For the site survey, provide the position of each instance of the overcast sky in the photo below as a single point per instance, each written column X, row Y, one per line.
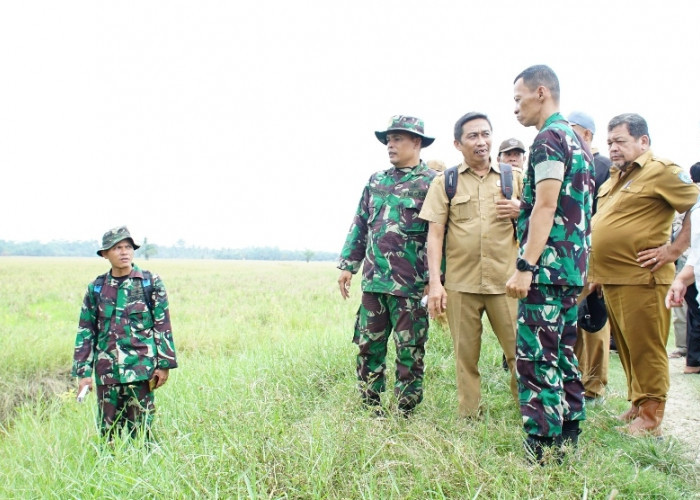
column 250, row 123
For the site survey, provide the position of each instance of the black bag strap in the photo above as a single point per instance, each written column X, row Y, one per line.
column 506, row 180
column 146, row 284
column 451, row 176
column 99, row 283
column 451, row 182
column 507, row 188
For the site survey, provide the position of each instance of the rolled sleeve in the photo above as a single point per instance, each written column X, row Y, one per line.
column 549, row 169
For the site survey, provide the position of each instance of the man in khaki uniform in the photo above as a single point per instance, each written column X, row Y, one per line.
column 480, row 251
column 632, row 260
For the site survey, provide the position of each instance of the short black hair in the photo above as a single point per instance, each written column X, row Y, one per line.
column 636, row 125
column 540, row 74
column 472, row 115
column 695, row 172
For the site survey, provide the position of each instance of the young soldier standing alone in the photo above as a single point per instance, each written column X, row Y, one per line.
column 124, row 339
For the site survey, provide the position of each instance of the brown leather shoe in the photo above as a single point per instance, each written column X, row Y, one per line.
column 647, row 423
column 630, row 414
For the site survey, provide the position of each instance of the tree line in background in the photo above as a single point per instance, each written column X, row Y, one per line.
column 60, row 248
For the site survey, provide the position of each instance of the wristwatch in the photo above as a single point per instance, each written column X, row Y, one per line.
column 523, row 265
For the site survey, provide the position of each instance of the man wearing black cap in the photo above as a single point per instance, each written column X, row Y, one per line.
column 387, row 234
column 512, row 151
column 124, row 339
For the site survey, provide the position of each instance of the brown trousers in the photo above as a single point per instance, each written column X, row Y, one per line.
column 593, row 351
column 640, row 324
column 464, row 312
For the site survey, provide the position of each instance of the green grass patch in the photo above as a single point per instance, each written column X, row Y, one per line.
column 264, row 404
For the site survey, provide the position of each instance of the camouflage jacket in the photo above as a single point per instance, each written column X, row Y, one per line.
column 564, row 259
column 118, row 337
column 388, row 235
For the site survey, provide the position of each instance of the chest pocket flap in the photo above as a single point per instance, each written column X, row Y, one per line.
column 462, row 208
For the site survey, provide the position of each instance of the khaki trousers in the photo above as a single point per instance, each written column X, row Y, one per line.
column 640, row 323
column 464, row 312
column 593, row 351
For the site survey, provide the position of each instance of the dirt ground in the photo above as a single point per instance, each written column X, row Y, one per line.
column 682, row 417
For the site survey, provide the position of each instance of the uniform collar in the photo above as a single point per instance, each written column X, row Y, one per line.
column 641, row 160
column 493, row 165
column 553, row 118
column 417, row 169
column 135, row 272
column 645, row 158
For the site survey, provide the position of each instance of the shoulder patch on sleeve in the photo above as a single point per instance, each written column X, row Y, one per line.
column 683, row 176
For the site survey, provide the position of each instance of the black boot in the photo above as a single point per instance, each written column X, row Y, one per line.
column 373, row 403
column 406, row 408
column 569, row 433
column 536, row 446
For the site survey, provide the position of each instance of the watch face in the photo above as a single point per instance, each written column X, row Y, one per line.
column 522, row 265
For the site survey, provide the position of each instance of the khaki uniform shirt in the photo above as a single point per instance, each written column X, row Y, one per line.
column 480, row 249
column 634, row 214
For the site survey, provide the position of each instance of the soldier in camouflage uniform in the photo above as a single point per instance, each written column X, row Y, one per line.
column 554, row 235
column 124, row 339
column 388, row 236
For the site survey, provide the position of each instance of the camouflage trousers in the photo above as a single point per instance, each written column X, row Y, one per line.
column 377, row 316
column 129, row 406
column 549, row 383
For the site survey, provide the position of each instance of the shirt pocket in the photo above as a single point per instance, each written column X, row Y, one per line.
column 627, row 199
column 462, row 208
column 603, row 195
column 410, row 222
column 140, row 317
column 375, row 209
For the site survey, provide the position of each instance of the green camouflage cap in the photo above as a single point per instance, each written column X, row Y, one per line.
column 406, row 124
column 114, row 236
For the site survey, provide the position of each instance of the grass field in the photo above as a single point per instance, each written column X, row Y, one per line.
column 264, row 404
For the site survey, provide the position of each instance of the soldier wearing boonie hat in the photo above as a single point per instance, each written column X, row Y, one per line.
column 124, row 339
column 114, row 236
column 402, row 123
column 387, row 234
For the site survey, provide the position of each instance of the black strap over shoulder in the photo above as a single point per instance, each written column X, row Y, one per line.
column 99, row 283
column 146, row 283
column 506, row 180
column 507, row 188
column 451, row 182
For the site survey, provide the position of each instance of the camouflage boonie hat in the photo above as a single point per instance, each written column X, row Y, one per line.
column 406, row 124
column 114, row 236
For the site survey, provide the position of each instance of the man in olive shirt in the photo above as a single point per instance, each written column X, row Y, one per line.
column 632, row 260
column 480, row 251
